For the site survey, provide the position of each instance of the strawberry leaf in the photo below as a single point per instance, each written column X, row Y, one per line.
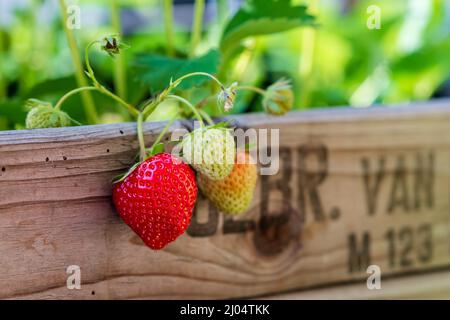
column 159, row 71
column 260, row 17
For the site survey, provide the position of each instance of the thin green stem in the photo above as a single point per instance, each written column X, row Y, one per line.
column 129, row 107
column 101, row 88
column 199, row 8
column 88, row 63
column 206, row 116
column 75, row 121
column 71, row 93
column 168, row 25
column 251, row 88
column 164, row 131
column 119, row 62
column 193, row 74
column 148, row 109
column 191, row 107
column 88, row 101
column 140, row 132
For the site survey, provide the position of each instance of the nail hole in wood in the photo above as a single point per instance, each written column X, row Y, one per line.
column 64, row 158
column 3, row 169
column 93, row 292
column 107, row 150
column 47, row 159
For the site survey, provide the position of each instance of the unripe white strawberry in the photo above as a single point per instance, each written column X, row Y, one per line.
column 211, row 151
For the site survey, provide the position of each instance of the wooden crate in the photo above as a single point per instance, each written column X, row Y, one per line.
column 355, row 188
column 429, row 285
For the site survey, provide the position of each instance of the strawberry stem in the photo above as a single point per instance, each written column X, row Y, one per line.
column 206, row 116
column 191, row 107
column 251, row 88
column 88, row 63
column 71, row 93
column 194, row 74
column 101, row 88
column 128, row 106
column 149, row 108
column 140, row 132
column 164, row 131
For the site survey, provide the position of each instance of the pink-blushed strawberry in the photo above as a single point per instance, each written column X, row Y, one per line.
column 157, row 199
column 234, row 194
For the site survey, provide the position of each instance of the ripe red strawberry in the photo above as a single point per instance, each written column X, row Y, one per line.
column 157, row 199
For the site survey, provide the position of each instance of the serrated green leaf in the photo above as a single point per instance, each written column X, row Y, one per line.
column 260, row 17
column 158, row 71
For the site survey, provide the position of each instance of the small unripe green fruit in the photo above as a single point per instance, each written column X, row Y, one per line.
column 45, row 116
column 278, row 98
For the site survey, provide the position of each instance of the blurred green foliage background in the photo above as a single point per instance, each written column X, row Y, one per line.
column 338, row 62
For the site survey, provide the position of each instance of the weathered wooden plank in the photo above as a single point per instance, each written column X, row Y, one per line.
column 305, row 228
column 434, row 285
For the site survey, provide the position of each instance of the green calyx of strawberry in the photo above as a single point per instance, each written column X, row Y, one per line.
column 112, row 45
column 146, row 153
column 210, row 150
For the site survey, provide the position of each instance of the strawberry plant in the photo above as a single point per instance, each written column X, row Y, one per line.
column 201, row 75
column 157, row 196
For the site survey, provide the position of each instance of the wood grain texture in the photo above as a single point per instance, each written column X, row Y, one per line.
column 305, row 227
column 430, row 286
